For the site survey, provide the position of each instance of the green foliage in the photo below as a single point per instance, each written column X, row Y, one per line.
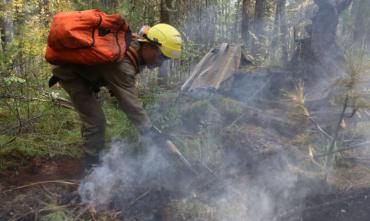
column 191, row 210
column 13, row 79
column 118, row 124
column 32, row 126
column 56, row 216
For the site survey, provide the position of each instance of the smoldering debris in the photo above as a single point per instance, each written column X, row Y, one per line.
column 147, row 186
column 119, row 174
column 250, row 159
column 251, row 182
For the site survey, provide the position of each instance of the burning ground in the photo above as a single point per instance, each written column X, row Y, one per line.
column 257, row 159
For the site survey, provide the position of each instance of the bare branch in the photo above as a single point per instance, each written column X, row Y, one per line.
column 44, row 182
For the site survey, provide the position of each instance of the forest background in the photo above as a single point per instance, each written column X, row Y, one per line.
column 38, row 122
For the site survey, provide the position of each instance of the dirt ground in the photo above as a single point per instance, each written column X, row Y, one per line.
column 39, row 189
column 351, row 205
column 43, row 169
column 46, row 190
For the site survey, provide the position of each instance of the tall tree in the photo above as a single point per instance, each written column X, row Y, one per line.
column 259, row 26
column 280, row 30
column 246, row 20
column 319, row 57
column 164, row 70
column 324, row 27
column 6, row 24
column 165, row 11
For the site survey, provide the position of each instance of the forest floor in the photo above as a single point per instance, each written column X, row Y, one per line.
column 47, row 190
column 259, row 169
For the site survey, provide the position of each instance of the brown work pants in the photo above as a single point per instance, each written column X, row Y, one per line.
column 79, row 83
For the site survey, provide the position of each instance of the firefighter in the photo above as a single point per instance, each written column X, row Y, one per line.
column 150, row 48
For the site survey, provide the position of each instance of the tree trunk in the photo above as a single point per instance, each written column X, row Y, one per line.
column 324, row 28
column 259, row 27
column 246, row 20
column 164, row 70
column 280, row 31
column 165, row 13
column 7, row 28
column 283, row 31
column 319, row 58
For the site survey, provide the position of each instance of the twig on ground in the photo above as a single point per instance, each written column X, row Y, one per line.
column 56, row 208
column 42, row 182
column 241, row 116
column 299, row 209
column 49, row 192
column 92, row 214
column 141, row 196
column 361, row 145
column 82, row 212
column 59, row 101
column 8, row 142
column 334, row 139
column 320, row 128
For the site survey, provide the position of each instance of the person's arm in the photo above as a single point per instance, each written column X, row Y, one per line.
column 121, row 81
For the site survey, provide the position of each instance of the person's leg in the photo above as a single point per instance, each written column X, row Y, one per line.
column 88, row 108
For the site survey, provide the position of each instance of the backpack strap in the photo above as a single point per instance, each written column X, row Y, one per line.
column 134, row 57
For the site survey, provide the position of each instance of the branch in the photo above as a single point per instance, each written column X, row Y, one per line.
column 320, row 128
column 82, row 212
column 342, row 115
column 8, row 142
column 141, row 196
column 59, row 101
column 19, row 125
column 356, row 146
column 43, row 182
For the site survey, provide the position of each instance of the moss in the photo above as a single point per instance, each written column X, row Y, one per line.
column 56, row 216
column 118, row 125
column 204, row 147
column 191, row 210
column 46, row 131
column 197, row 107
column 198, row 114
column 36, row 145
column 228, row 106
column 251, row 140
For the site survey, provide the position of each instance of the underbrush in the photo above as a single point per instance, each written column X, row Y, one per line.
column 50, row 130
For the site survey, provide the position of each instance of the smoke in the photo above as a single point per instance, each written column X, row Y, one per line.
column 262, row 197
column 121, row 172
column 123, row 177
column 261, row 191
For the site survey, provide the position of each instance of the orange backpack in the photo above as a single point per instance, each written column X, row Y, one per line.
column 87, row 37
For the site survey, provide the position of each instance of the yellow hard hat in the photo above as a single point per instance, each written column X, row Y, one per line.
column 166, row 37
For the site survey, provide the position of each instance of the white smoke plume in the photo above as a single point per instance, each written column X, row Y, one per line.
column 262, row 195
column 122, row 177
column 120, row 172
